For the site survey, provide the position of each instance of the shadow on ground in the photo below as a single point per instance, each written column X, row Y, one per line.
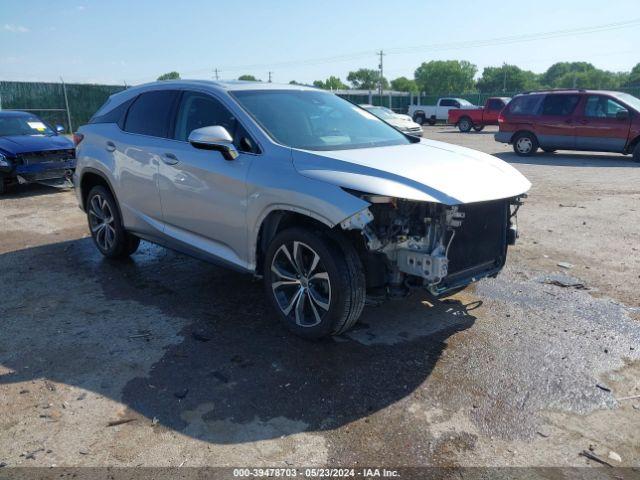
column 571, row 159
column 31, row 190
column 232, row 374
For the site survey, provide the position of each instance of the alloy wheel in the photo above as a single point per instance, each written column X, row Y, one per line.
column 524, row 145
column 300, row 284
column 102, row 222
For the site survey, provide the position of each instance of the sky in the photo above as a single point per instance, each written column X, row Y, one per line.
column 134, row 41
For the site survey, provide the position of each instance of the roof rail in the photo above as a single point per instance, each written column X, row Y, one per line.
column 556, row 90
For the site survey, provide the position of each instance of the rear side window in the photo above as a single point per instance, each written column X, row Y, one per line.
column 525, row 105
column 115, row 115
column 150, row 113
column 559, row 105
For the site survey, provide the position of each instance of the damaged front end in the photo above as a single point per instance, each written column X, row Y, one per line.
column 439, row 247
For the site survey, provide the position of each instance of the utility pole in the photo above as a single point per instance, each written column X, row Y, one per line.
column 270, row 76
column 215, row 74
column 66, row 104
column 504, row 83
column 381, row 67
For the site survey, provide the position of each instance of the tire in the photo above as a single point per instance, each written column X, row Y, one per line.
column 525, row 144
column 432, row 121
column 419, row 119
column 109, row 236
column 3, row 186
column 465, row 125
column 320, row 301
column 549, row 150
column 636, row 153
column 478, row 128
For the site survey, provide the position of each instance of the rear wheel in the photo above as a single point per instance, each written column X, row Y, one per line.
column 525, row 144
column 636, row 153
column 432, row 121
column 314, row 282
column 3, row 186
column 419, row 118
column 108, row 234
column 465, row 124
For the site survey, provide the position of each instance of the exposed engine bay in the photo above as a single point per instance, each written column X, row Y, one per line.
column 440, row 247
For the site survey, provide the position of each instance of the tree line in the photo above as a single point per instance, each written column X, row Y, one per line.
column 459, row 76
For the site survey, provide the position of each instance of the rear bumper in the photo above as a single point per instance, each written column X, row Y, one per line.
column 503, row 137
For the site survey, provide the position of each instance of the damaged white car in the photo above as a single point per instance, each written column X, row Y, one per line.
column 319, row 197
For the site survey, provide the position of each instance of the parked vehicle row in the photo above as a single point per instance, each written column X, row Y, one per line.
column 439, row 112
column 587, row 120
column 397, row 120
column 323, row 200
column 478, row 117
column 31, row 150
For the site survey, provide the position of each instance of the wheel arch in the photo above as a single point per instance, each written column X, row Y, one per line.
column 91, row 178
column 632, row 144
column 523, row 130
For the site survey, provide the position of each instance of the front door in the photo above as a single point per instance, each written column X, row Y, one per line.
column 555, row 127
column 603, row 125
column 203, row 195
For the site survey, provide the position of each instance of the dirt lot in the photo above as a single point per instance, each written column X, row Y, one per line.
column 514, row 371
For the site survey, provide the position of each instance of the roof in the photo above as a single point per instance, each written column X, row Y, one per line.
column 228, row 85
column 15, row 113
column 572, row 90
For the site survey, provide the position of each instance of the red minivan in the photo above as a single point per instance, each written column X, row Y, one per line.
column 587, row 120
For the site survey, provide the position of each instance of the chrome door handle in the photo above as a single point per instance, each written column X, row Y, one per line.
column 111, row 147
column 170, row 159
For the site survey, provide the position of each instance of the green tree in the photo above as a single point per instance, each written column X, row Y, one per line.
column 593, row 78
column 169, row 76
column 403, row 84
column 445, row 76
column 551, row 77
column 366, row 79
column 507, row 78
column 248, row 78
column 331, row 83
column 634, row 76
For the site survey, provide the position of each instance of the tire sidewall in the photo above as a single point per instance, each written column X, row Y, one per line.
column 121, row 235
column 465, row 125
column 419, row 119
column 534, row 144
column 330, row 255
column 636, row 153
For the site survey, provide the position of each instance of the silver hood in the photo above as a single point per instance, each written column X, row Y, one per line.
column 427, row 171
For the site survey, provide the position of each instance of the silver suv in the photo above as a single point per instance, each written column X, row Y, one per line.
column 316, row 195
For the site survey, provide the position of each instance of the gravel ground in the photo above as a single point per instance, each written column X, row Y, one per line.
column 187, row 361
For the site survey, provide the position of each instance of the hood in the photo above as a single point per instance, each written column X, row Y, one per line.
column 427, row 171
column 17, row 144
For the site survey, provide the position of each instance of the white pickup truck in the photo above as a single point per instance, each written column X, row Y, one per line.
column 431, row 114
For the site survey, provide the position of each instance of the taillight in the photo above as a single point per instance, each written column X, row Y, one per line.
column 501, row 118
column 77, row 138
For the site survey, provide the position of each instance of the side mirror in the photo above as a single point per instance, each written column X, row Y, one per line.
column 622, row 115
column 59, row 129
column 214, row 138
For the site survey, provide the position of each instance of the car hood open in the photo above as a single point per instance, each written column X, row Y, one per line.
column 427, row 171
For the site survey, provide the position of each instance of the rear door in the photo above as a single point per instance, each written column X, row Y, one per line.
column 137, row 150
column 598, row 126
column 555, row 126
column 204, row 196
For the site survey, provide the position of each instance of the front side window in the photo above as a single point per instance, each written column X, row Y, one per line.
column 23, row 125
column 559, row 105
column 598, row 106
column 199, row 110
column 150, row 113
column 314, row 120
column 447, row 102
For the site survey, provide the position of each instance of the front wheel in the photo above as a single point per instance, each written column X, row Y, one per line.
column 525, row 144
column 478, row 128
column 107, row 231
column 419, row 119
column 465, row 125
column 636, row 153
column 315, row 282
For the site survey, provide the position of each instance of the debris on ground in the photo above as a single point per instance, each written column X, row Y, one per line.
column 3, row 464
column 614, row 456
column 632, row 397
column 114, row 423
column 566, row 265
column 32, row 455
column 560, row 283
column 603, row 388
column 181, row 393
column 200, row 337
column 594, row 457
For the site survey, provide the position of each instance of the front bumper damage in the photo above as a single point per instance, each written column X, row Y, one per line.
column 438, row 247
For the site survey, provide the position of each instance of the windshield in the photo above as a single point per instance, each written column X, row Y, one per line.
column 633, row 102
column 313, row 120
column 23, row 125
